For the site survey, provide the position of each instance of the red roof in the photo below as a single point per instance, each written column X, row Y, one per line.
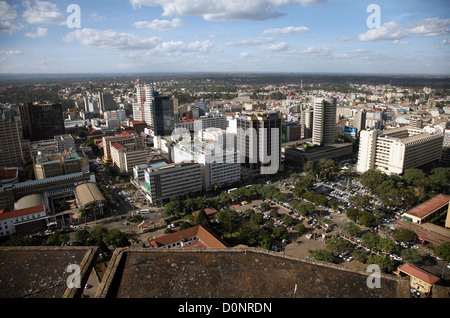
column 8, row 173
column 420, row 274
column 430, row 205
column 116, row 145
column 206, row 238
column 126, row 133
column 21, row 212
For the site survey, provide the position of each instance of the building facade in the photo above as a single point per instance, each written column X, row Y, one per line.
column 41, row 121
column 393, row 151
column 162, row 182
column 324, row 121
column 259, row 140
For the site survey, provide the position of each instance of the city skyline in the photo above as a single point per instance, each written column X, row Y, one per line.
column 412, row 37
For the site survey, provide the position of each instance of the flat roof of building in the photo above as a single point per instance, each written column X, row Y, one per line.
column 40, row 271
column 429, row 206
column 235, row 273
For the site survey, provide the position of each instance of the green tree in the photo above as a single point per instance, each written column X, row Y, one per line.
column 386, row 264
column 412, row 256
column 81, row 236
column 300, row 228
column 337, row 245
column 202, row 218
column 257, row 218
column 352, row 229
column 370, row 240
column 305, row 209
column 98, row 233
column 367, row 219
column 353, row 214
column 265, row 206
column 387, row 245
column 287, row 219
column 281, row 233
column 443, row 251
column 404, row 235
column 322, row 255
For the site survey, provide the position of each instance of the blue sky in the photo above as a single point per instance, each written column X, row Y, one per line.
column 140, row 36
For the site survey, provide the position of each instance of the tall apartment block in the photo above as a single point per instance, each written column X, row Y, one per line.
column 41, row 121
column 255, row 139
column 324, row 121
column 306, row 126
column 143, row 108
column 10, row 146
column 395, row 150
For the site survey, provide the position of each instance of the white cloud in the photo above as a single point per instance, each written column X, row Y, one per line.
column 287, row 30
column 201, row 47
column 223, row 10
column 7, row 15
column 317, row 51
column 108, row 39
column 43, row 12
column 251, row 41
column 40, row 32
column 398, row 42
column 445, row 42
column 11, row 52
column 244, row 54
column 394, row 31
column 160, row 25
column 388, row 31
column 431, row 27
column 97, row 18
column 170, row 46
column 277, row 47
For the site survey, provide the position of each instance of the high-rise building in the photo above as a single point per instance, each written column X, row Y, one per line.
column 395, row 150
column 41, row 121
column 143, row 108
column 259, row 140
column 163, row 115
column 359, row 120
column 10, row 144
column 324, row 121
column 306, row 123
column 106, row 102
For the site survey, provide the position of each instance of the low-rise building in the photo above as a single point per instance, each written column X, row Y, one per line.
column 12, row 219
column 193, row 237
column 52, row 165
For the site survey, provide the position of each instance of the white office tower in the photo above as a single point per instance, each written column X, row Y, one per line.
column 215, row 151
column 324, row 121
column 395, row 150
column 143, row 108
column 162, row 182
